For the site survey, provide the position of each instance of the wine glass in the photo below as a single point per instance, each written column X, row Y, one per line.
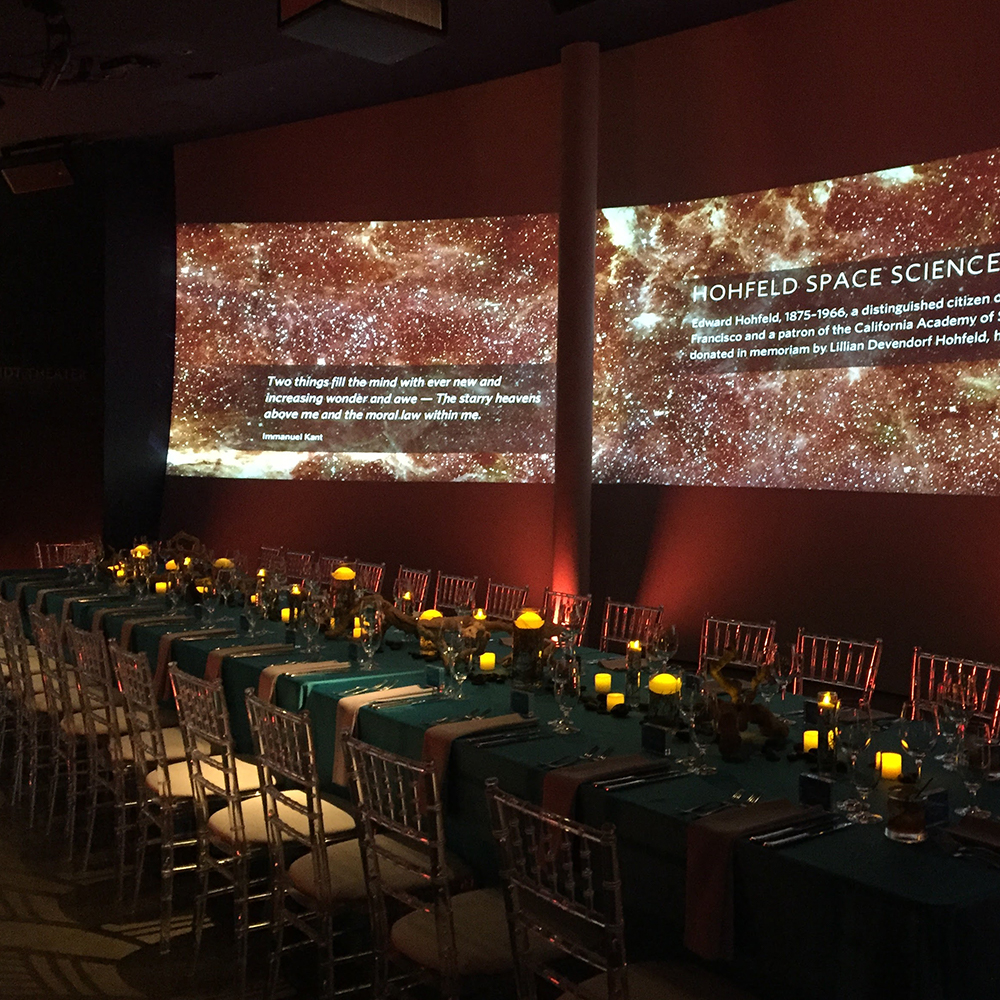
column 974, row 765
column 692, row 703
column 566, row 687
column 918, row 735
column 856, row 730
column 950, row 698
column 371, row 621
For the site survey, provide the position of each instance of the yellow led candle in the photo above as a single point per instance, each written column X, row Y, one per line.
column 828, row 699
column 602, row 683
column 344, row 573
column 810, row 740
column 286, row 615
column 357, row 631
column 430, row 614
column 665, row 684
column 261, row 573
column 529, row 620
column 296, row 590
column 614, row 698
column 890, row 764
column 480, row 615
column 161, row 586
column 171, row 566
column 408, row 596
column 487, row 661
column 142, row 551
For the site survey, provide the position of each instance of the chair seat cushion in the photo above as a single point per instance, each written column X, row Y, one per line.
column 77, row 726
column 41, row 704
column 347, row 875
column 179, row 776
column 482, row 940
column 335, row 819
column 665, row 981
column 173, row 741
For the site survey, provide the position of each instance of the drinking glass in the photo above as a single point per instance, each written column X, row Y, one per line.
column 917, row 735
column 865, row 777
column 855, row 739
column 783, row 670
column 566, row 687
column 371, row 635
column 974, row 766
column 692, row 703
column 456, row 666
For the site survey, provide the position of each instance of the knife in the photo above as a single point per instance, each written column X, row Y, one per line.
column 809, row 834
column 798, row 826
column 631, row 780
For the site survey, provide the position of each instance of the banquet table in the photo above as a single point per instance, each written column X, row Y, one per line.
column 848, row 915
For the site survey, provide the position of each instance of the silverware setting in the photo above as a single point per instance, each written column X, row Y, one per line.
column 477, row 713
column 416, row 699
column 634, row 780
column 594, row 753
column 796, row 826
column 811, row 834
column 519, row 736
column 365, row 688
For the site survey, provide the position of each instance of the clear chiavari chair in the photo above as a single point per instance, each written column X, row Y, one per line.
column 504, row 600
column 299, row 566
column 847, row 665
column 369, row 576
column 563, row 897
column 455, row 593
column 53, row 554
column 625, row 623
column 413, row 582
column 568, row 611
column 400, row 821
column 753, row 642
column 272, row 558
column 325, row 566
column 931, row 673
column 28, row 709
column 164, row 792
column 104, row 721
column 229, row 837
column 308, row 893
column 67, row 730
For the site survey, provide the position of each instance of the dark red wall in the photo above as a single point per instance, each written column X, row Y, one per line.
column 803, row 91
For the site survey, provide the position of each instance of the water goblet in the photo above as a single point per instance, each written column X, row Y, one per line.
column 855, row 739
column 917, row 735
column 692, row 704
column 974, row 765
column 865, row 777
column 566, row 687
column 371, row 621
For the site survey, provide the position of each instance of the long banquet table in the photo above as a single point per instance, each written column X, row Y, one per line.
column 849, row 915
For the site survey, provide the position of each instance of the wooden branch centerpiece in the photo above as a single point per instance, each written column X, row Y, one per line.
column 734, row 717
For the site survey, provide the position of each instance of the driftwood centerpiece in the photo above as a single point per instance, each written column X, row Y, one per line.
column 735, row 716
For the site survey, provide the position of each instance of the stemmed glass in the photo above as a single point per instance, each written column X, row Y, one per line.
column 210, row 601
column 661, row 649
column 566, row 687
column 856, row 738
column 455, row 662
column 783, row 670
column 371, row 635
column 918, row 735
column 974, row 766
column 692, row 702
column 955, row 699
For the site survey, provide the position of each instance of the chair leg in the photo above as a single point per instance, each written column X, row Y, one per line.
column 241, row 911
column 200, row 904
column 72, row 793
column 166, row 878
column 33, row 776
column 277, row 939
column 95, row 791
column 140, row 855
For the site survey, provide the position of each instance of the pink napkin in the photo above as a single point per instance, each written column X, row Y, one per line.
column 161, row 681
column 708, row 905
column 438, row 739
column 270, row 674
column 213, row 666
column 561, row 783
column 347, row 718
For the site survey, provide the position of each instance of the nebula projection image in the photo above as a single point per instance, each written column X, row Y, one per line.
column 420, row 351
column 835, row 335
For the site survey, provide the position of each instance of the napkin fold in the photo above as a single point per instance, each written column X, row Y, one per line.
column 561, row 783
column 708, row 905
column 347, row 718
column 161, row 680
column 213, row 666
column 977, row 831
column 269, row 675
column 438, row 739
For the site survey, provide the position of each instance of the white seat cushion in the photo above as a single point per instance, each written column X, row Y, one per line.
column 482, row 939
column 347, row 875
column 665, row 981
column 77, row 725
column 335, row 819
column 180, row 778
column 173, row 741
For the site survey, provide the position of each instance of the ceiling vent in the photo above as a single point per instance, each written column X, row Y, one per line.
column 381, row 31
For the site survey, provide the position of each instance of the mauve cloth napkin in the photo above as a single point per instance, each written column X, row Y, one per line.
column 438, row 739
column 561, row 783
column 130, row 623
column 213, row 666
column 708, row 909
column 270, row 674
column 347, row 717
column 160, row 679
column 978, row 831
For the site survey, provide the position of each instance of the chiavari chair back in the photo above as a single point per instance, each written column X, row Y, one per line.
column 849, row 665
column 930, row 674
column 456, row 594
column 165, row 794
column 625, row 623
column 369, row 576
column 413, row 582
column 325, row 565
column 401, row 826
column 504, row 600
column 272, row 558
column 568, row 611
column 304, row 897
column 299, row 566
column 753, row 642
column 54, row 554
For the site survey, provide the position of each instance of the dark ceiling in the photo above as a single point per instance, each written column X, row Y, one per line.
column 181, row 69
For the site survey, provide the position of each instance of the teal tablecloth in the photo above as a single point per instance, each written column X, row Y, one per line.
column 850, row 915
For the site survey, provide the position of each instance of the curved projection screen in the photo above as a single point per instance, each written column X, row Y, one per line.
column 836, row 335
column 375, row 350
